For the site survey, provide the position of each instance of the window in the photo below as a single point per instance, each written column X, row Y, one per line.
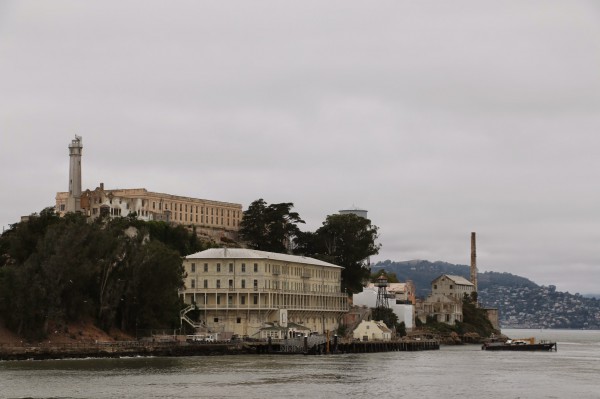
column 450, row 286
column 193, row 267
column 435, row 286
column 243, row 267
column 255, row 299
column 206, row 268
column 231, row 268
column 238, row 320
column 216, row 319
column 218, row 299
column 255, row 284
column 243, row 283
column 243, row 300
column 218, row 268
column 205, row 283
column 230, row 299
column 230, row 283
column 256, row 268
column 193, row 283
column 218, row 283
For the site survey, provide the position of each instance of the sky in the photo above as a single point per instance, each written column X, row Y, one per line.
column 439, row 118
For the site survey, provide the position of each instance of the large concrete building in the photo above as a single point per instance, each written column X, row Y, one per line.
column 213, row 219
column 445, row 301
column 242, row 291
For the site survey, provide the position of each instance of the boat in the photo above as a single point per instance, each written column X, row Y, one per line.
column 526, row 344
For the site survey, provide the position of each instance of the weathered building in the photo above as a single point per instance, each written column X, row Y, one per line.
column 241, row 291
column 445, row 301
column 214, row 219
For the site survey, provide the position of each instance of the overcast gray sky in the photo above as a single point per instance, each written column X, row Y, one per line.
column 440, row 118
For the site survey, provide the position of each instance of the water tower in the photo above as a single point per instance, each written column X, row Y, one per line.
column 382, row 294
column 354, row 211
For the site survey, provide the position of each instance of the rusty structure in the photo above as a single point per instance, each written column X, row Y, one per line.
column 473, row 261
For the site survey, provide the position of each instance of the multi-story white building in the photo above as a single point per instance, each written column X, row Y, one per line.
column 241, row 291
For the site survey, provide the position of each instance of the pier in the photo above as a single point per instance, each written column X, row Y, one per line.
column 174, row 349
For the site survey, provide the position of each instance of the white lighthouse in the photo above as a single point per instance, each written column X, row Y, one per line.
column 74, row 199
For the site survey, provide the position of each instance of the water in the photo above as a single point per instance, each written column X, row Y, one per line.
column 451, row 372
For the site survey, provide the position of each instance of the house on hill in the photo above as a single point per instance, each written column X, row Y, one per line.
column 445, row 301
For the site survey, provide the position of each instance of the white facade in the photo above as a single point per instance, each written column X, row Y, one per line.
column 368, row 298
column 241, row 291
column 372, row 330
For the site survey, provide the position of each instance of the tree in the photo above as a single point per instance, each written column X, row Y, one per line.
column 346, row 240
column 269, row 227
column 120, row 272
column 386, row 315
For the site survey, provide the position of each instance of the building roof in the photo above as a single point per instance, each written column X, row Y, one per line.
column 243, row 253
column 392, row 287
column 457, row 279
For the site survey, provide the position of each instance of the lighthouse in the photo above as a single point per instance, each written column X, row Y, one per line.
column 74, row 199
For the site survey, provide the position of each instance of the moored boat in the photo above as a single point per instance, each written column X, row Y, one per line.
column 519, row 345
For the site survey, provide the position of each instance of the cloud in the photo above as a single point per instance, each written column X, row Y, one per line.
column 439, row 119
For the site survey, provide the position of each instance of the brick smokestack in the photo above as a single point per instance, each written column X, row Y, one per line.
column 473, row 261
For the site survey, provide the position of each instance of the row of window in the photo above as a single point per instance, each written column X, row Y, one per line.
column 276, row 269
column 218, row 284
column 269, row 284
column 198, row 210
column 218, row 268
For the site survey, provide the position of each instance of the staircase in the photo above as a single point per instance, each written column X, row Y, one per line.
column 184, row 317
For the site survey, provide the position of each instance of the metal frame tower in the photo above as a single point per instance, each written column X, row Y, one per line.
column 382, row 294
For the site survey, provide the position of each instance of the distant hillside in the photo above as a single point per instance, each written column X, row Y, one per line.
column 423, row 272
column 520, row 302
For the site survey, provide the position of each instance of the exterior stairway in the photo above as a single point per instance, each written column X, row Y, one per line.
column 199, row 327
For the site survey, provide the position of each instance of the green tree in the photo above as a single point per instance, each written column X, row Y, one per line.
column 386, row 315
column 121, row 272
column 269, row 227
column 345, row 240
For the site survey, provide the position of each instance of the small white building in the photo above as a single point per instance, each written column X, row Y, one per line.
column 372, row 331
column 368, row 298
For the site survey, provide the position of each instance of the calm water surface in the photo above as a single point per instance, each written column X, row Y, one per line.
column 451, row 372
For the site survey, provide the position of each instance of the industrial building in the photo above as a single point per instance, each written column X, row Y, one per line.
column 212, row 219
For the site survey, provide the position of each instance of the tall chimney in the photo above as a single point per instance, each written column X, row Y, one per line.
column 473, row 261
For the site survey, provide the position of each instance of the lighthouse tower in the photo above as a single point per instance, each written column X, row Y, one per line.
column 74, row 199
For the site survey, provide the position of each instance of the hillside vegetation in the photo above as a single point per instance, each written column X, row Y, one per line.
column 121, row 273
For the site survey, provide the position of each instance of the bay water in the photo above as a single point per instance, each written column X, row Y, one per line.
column 452, row 372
